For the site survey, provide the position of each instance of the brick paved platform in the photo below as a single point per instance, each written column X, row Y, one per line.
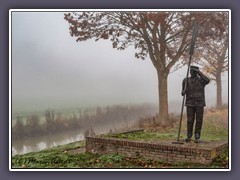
column 204, row 152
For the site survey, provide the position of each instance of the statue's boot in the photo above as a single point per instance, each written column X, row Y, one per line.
column 198, row 129
column 189, row 130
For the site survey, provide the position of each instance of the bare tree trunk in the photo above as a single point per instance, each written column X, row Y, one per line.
column 163, row 97
column 219, row 90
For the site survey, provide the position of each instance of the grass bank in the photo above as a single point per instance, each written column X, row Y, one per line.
column 62, row 157
column 215, row 127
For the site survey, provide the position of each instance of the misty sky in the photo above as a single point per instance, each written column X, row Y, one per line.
column 51, row 70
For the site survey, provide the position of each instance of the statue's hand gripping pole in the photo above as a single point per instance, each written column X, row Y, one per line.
column 194, row 35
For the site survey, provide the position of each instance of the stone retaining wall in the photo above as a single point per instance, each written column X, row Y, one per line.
column 204, row 152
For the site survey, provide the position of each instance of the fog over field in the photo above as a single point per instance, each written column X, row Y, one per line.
column 51, row 70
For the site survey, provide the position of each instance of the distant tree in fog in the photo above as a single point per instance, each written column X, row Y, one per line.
column 33, row 125
column 213, row 55
column 18, row 130
column 50, row 117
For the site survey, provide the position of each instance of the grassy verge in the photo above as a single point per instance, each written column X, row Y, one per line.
column 214, row 128
column 59, row 157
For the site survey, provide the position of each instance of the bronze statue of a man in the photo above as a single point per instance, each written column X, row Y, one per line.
column 195, row 101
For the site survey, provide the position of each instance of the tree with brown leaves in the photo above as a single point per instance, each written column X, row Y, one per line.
column 163, row 36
